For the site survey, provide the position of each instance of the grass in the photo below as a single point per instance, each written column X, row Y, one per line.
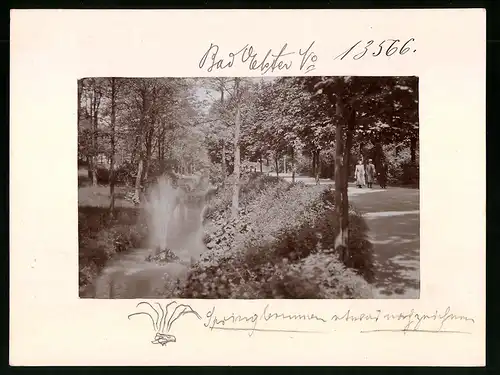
column 100, row 236
column 98, row 196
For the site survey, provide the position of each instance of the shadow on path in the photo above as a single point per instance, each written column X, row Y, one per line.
column 393, row 217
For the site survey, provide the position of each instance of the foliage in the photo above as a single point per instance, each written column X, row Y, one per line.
column 167, row 120
column 100, row 237
column 251, row 186
column 400, row 169
column 290, row 234
column 163, row 125
column 151, row 113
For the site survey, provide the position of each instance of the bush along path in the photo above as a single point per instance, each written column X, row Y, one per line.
column 278, row 247
column 392, row 217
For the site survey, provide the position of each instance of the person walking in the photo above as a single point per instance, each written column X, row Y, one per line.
column 382, row 175
column 359, row 173
column 370, row 173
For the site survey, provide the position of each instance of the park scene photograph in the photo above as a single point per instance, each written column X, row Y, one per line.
column 249, row 187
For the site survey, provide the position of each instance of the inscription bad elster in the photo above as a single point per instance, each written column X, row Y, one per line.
column 267, row 62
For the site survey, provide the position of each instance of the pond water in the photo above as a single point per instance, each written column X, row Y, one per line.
column 175, row 223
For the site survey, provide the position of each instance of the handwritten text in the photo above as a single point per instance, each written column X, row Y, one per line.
column 376, row 321
column 268, row 62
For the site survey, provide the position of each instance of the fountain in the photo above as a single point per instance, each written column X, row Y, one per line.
column 161, row 210
column 175, row 229
column 174, row 223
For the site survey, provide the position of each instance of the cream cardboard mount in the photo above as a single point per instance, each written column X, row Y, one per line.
column 52, row 49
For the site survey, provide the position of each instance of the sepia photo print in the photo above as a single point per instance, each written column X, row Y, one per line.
column 249, row 187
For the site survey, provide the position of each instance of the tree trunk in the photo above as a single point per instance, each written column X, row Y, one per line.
column 145, row 169
column 140, row 166
column 276, row 165
column 138, row 178
column 93, row 145
column 224, row 173
column 223, row 161
column 135, row 150
column 379, row 150
column 94, row 171
column 147, row 161
column 94, row 120
column 162, row 152
column 80, row 92
column 260, row 164
column 378, row 154
column 150, row 135
column 313, row 154
column 112, row 156
column 350, row 117
column 158, row 153
column 318, row 166
column 236, row 186
column 293, row 165
column 90, row 168
column 413, row 150
column 341, row 239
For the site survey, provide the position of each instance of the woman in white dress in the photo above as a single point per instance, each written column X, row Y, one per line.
column 359, row 173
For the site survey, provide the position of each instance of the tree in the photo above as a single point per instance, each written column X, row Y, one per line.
column 221, row 84
column 113, row 147
column 237, row 161
column 219, row 121
column 388, row 112
column 92, row 92
column 339, row 91
column 142, row 91
column 302, row 120
column 150, row 104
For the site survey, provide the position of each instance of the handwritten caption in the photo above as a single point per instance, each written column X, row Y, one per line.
column 163, row 317
column 283, row 60
column 287, row 58
column 267, row 320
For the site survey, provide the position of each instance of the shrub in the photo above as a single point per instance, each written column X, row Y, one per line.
column 361, row 250
column 283, row 223
column 251, row 186
column 292, row 231
column 215, row 174
column 400, row 169
column 333, row 278
column 122, row 175
column 97, row 246
column 318, row 276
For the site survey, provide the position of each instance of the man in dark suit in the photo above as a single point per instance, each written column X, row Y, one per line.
column 370, row 173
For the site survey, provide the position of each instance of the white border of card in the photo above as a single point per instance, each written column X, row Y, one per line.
column 50, row 325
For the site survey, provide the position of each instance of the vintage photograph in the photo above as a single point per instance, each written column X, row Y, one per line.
column 249, row 187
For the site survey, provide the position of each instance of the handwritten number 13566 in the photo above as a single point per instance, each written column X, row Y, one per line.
column 390, row 46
